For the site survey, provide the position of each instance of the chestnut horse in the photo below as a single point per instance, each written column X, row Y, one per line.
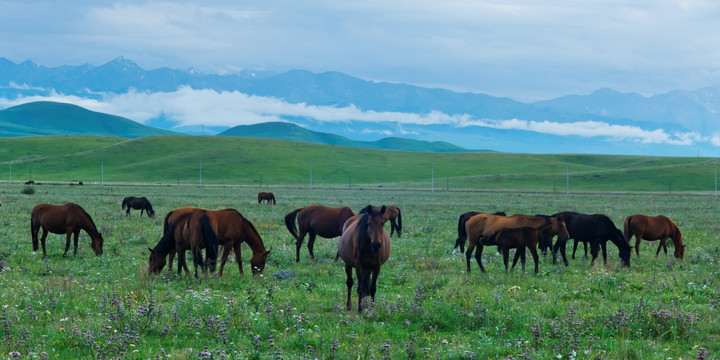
column 232, row 229
column 191, row 231
column 140, row 203
column 462, row 235
column 392, row 213
column 64, row 219
column 267, row 196
column 481, row 226
column 315, row 220
column 517, row 238
column 653, row 228
column 365, row 246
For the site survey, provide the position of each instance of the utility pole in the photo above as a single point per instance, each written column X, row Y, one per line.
column 102, row 172
column 567, row 180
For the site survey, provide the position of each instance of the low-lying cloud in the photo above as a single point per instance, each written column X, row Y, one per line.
column 190, row 107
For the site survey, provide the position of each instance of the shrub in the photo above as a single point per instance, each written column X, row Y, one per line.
column 28, row 190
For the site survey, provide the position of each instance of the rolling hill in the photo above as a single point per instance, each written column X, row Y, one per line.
column 289, row 131
column 52, row 118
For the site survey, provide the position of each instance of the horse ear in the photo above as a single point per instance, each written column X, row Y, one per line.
column 266, row 254
column 382, row 210
column 151, row 250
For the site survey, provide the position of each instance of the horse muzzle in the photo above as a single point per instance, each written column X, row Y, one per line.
column 375, row 246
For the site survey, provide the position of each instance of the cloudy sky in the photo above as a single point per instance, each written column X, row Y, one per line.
column 524, row 49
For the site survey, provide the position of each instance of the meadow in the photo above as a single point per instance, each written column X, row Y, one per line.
column 427, row 305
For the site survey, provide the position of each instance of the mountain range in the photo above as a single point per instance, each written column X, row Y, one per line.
column 675, row 123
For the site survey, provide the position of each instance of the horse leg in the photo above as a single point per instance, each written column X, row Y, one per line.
column 468, row 254
column 226, row 253
column 638, row 238
column 575, row 245
column 238, row 257
column 478, row 258
column 521, row 252
column 127, row 212
column 663, row 245
column 535, row 256
column 42, row 241
column 298, row 244
column 362, row 288
column 506, row 254
column 67, row 243
column 75, row 242
column 373, row 284
column 594, row 249
column 349, row 284
column 311, row 244
column 181, row 263
column 603, row 243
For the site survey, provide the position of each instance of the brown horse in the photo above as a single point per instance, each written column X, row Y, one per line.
column 191, row 231
column 481, row 226
column 392, row 214
column 462, row 235
column 232, row 229
column 653, row 228
column 64, row 219
column 315, row 220
column 365, row 246
column 267, row 196
column 141, row 203
column 517, row 238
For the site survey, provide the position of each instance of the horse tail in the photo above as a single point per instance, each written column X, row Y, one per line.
column 259, row 198
column 166, row 225
column 33, row 221
column 462, row 234
column 399, row 221
column 210, row 240
column 627, row 232
column 290, row 222
column 123, row 203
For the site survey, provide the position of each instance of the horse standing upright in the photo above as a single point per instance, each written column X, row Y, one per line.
column 392, row 214
column 64, row 219
column 191, row 231
column 316, row 220
column 365, row 246
column 266, row 196
column 653, row 228
column 138, row 203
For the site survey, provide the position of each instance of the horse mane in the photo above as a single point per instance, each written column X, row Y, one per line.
column 89, row 218
column 362, row 230
column 209, row 238
column 165, row 245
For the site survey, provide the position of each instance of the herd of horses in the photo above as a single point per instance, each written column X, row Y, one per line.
column 364, row 243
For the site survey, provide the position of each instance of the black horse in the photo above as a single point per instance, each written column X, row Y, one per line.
column 595, row 229
column 462, row 235
column 141, row 203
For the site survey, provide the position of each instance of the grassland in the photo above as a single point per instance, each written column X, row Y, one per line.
column 427, row 306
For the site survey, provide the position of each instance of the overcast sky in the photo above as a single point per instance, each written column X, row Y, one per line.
column 526, row 50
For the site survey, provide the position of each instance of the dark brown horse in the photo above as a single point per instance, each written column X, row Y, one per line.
column 392, row 214
column 64, row 219
column 316, row 220
column 462, row 235
column 365, row 246
column 517, row 238
column 653, row 228
column 138, row 203
column 232, row 229
column 267, row 196
column 481, row 226
column 191, row 231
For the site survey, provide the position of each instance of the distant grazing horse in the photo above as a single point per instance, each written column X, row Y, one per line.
column 595, row 229
column 365, row 246
column 392, row 213
column 653, row 228
column 232, row 229
column 140, row 203
column 267, row 196
column 462, row 235
column 481, row 226
column 315, row 220
column 30, row 182
column 191, row 231
column 63, row 219
column 517, row 238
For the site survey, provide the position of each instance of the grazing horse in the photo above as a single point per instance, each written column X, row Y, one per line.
column 481, row 226
column 392, row 213
column 232, row 229
column 653, row 228
column 267, row 196
column 517, row 238
column 462, row 235
column 64, row 219
column 595, row 229
column 365, row 246
column 140, row 203
column 191, row 231
column 315, row 220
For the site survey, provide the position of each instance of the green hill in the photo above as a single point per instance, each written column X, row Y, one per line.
column 223, row 160
column 52, row 118
column 288, row 131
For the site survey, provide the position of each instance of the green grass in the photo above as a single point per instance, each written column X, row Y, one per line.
column 427, row 305
column 218, row 160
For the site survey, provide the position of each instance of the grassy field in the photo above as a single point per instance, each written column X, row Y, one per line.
column 427, row 306
column 219, row 160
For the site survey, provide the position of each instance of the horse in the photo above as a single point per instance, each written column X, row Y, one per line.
column 517, row 238
column 191, row 231
column 64, row 219
column 140, row 203
column 365, row 246
column 267, row 196
column 392, row 214
column 462, row 235
column 327, row 222
column 30, row 182
column 595, row 229
column 481, row 226
column 232, row 229
column 653, row 228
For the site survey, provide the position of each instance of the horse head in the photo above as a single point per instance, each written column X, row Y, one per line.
column 370, row 228
column 96, row 243
column 156, row 263
column 257, row 263
column 558, row 227
column 623, row 246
